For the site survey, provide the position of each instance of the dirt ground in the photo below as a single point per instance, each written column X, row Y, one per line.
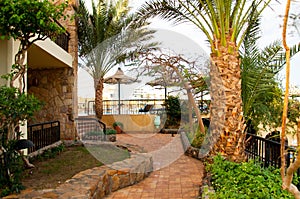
column 49, row 173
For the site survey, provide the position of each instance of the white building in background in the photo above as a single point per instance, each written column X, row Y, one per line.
column 147, row 92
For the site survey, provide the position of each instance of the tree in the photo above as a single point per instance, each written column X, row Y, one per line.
column 28, row 21
column 15, row 109
column 177, row 68
column 287, row 174
column 262, row 97
column 106, row 37
column 223, row 22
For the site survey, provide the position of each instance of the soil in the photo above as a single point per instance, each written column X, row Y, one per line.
column 49, row 173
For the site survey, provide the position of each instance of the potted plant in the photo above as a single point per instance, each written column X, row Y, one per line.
column 118, row 126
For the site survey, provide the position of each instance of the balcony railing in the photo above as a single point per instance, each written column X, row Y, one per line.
column 63, row 39
column 132, row 107
column 110, row 107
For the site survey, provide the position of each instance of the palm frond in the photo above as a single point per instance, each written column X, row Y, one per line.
column 109, row 32
column 259, row 86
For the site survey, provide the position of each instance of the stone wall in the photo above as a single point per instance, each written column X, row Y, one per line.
column 55, row 88
column 71, row 26
column 97, row 182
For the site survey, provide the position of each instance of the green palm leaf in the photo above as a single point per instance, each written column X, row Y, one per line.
column 262, row 97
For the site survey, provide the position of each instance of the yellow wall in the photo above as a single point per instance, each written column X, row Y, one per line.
column 132, row 123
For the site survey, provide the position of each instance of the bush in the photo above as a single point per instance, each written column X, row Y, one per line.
column 120, row 124
column 15, row 108
column 173, row 111
column 245, row 180
column 111, row 132
column 10, row 170
column 49, row 153
column 196, row 137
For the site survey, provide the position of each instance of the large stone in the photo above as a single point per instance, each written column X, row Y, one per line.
column 125, row 180
column 115, row 182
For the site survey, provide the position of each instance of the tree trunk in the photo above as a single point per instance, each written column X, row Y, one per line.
column 99, row 98
column 227, row 123
column 20, row 71
column 288, row 174
column 191, row 99
column 287, row 179
column 191, row 117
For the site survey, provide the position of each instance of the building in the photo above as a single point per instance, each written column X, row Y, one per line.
column 51, row 74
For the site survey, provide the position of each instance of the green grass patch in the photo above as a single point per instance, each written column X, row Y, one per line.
column 107, row 153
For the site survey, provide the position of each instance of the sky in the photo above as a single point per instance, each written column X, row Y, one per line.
column 191, row 38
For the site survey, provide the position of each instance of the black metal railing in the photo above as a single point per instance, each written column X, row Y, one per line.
column 133, row 106
column 267, row 152
column 127, row 106
column 90, row 129
column 43, row 134
column 63, row 39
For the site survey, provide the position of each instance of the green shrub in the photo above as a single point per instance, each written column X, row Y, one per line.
column 15, row 108
column 49, row 153
column 10, row 170
column 120, row 124
column 245, row 180
column 196, row 138
column 173, row 111
column 111, row 131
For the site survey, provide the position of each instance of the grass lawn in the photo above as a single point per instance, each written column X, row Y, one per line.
column 51, row 172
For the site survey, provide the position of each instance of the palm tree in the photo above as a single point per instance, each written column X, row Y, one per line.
column 106, row 37
column 262, row 97
column 223, row 22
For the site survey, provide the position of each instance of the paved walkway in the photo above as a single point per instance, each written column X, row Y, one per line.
column 175, row 175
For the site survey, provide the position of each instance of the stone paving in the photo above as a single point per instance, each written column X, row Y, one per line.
column 175, row 175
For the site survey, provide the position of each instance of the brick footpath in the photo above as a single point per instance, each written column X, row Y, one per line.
column 175, row 175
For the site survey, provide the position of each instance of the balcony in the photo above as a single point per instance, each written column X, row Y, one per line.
column 48, row 54
column 63, row 39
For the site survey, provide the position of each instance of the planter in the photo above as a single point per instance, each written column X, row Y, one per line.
column 111, row 135
column 118, row 126
column 111, row 138
column 118, row 129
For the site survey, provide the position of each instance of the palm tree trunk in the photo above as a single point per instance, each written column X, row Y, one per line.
column 227, row 123
column 99, row 98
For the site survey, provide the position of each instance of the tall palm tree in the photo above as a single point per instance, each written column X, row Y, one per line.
column 106, row 37
column 223, row 22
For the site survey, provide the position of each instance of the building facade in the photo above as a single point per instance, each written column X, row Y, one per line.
column 51, row 75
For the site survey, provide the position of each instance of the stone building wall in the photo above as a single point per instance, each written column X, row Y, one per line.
column 54, row 87
column 71, row 27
